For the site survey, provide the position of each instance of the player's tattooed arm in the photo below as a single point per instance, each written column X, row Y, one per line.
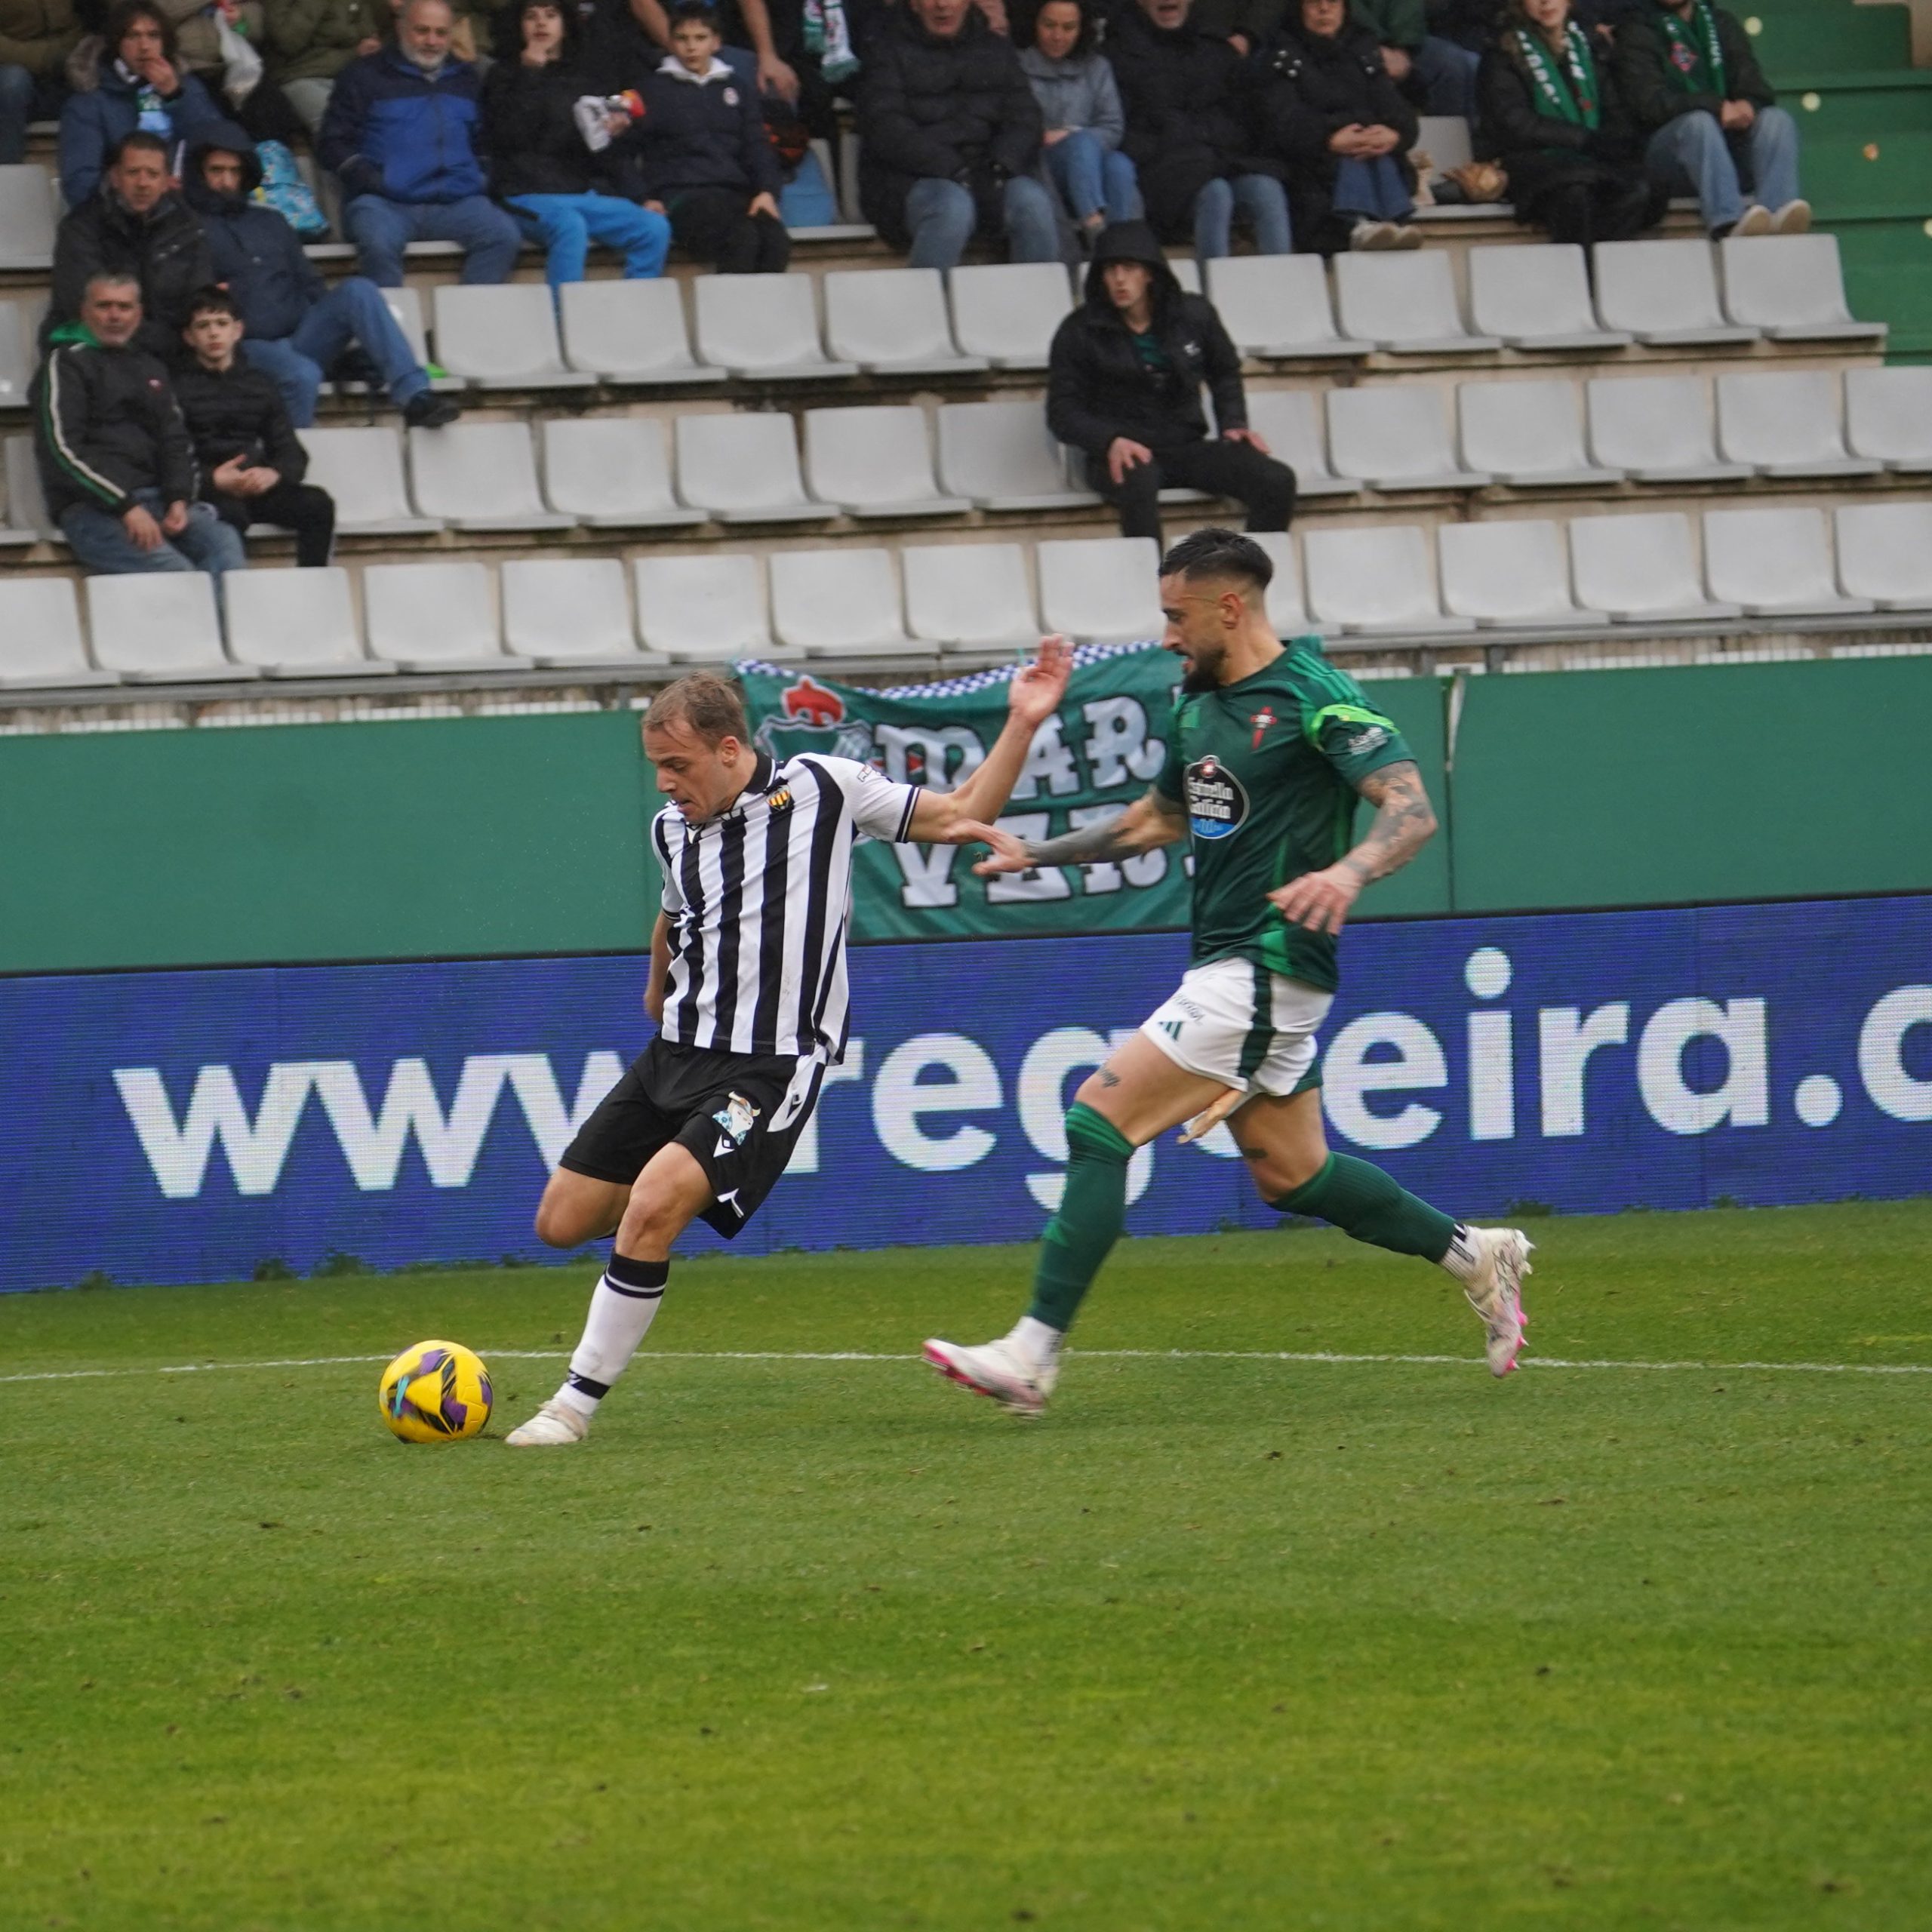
column 1151, row 820
column 1403, row 824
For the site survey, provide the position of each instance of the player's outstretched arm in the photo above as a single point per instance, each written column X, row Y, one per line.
column 1404, row 822
column 1152, row 819
column 660, row 968
column 957, row 817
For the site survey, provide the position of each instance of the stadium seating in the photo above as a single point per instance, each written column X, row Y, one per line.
column 1396, row 438
column 17, row 358
column 875, row 462
column 1775, row 563
column 503, row 338
column 40, row 636
column 1788, row 424
column 437, row 617
column 970, row 597
column 1287, row 610
column 743, row 468
column 26, row 507
column 1530, row 436
column 570, row 611
column 703, row 610
column 1791, row 287
column 630, row 332
column 299, row 623
column 1537, row 298
column 1664, row 293
column 1376, row 580
column 1288, row 422
column 1641, row 570
column 1007, row 312
column 1277, row 306
column 839, row 602
column 159, row 628
column 362, row 470
column 480, row 476
column 764, row 328
column 1885, row 554
column 1002, row 455
column 26, row 217
column 612, row 472
column 1888, row 415
column 1405, row 304
column 1511, row 575
column 1100, row 590
column 893, row 321
column 1659, row 429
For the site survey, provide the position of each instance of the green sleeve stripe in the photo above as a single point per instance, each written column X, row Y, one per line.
column 1349, row 714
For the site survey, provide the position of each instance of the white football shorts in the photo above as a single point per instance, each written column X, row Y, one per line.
column 1234, row 1021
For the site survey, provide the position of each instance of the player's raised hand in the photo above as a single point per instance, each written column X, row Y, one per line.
column 1319, row 901
column 1009, row 854
column 1037, row 689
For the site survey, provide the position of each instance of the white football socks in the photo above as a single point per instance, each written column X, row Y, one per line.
column 1038, row 1341
column 622, row 1307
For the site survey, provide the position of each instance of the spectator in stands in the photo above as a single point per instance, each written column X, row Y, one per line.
column 310, row 41
column 541, row 158
column 133, row 79
column 705, row 159
column 1696, row 91
column 136, row 225
column 1124, row 385
column 1553, row 119
column 1080, row 103
column 951, row 135
column 252, row 461
column 1193, row 131
column 1437, row 73
column 1339, row 123
column 297, row 327
column 401, row 135
column 115, row 460
column 36, row 36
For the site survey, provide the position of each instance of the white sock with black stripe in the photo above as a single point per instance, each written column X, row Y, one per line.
column 621, row 1309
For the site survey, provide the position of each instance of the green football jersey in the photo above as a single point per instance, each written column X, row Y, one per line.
column 1266, row 770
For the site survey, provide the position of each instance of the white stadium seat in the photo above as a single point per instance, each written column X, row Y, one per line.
column 480, row 476
column 841, row 602
column 1641, row 570
column 1529, row 435
column 1287, row 610
column 970, row 596
column 1885, row 553
column 1379, row 581
column 153, row 628
column 630, row 332
column 764, row 328
column 362, row 470
column 893, row 321
column 875, row 461
column 1511, row 576
column 40, row 636
column 1792, row 287
column 1277, row 306
column 1396, row 438
column 1102, row 590
column 1445, row 139
column 26, row 507
column 26, row 217
column 1008, row 311
column 17, row 356
column 1888, row 414
column 1537, row 297
column 502, row 337
column 569, row 611
column 1659, row 430
column 1776, row 563
column 1003, row 457
column 707, row 609
column 1788, row 424
column 439, row 618
column 1290, row 422
column 298, row 623
column 1404, row 304
column 612, row 472
column 1664, row 293
column 743, row 468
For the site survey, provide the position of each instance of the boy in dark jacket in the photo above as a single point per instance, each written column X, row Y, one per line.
column 251, row 462
column 1124, row 385
column 1695, row 90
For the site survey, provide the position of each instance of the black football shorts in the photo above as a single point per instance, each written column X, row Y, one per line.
column 740, row 1116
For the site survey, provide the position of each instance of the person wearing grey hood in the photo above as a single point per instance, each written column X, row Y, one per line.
column 1081, row 156
column 1124, row 385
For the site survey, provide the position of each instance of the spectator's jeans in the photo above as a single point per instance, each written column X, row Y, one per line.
column 382, row 230
column 1691, row 156
column 1375, row 190
column 352, row 311
column 569, row 224
column 310, row 99
column 1265, row 486
column 1094, row 179
column 1448, row 73
column 1261, row 197
column 23, row 99
column 99, row 540
column 943, row 216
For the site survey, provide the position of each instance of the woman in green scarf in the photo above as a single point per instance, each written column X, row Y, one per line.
column 1550, row 115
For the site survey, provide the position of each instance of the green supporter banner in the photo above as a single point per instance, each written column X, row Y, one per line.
column 1102, row 750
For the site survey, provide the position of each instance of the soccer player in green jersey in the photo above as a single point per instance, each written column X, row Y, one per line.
column 1270, row 751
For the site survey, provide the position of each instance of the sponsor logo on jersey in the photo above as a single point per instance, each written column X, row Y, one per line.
column 1370, row 738
column 734, row 1120
column 1172, row 1028
column 1217, row 799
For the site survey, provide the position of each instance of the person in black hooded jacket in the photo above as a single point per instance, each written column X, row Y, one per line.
column 1124, row 385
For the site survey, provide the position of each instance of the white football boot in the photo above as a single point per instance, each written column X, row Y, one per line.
column 554, row 1424
column 1002, row 1370
column 1496, row 1293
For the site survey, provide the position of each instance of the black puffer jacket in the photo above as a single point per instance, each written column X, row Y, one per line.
column 1315, row 88
column 530, row 135
column 237, row 412
column 1190, row 115
column 1541, row 154
column 257, row 257
column 1642, row 62
column 106, row 425
column 165, row 251
column 958, row 109
column 1099, row 388
column 707, row 135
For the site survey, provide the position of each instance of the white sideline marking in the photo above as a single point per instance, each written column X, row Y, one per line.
column 1098, row 1355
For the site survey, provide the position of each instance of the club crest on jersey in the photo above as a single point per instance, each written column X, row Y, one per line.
column 1217, row 799
column 1261, row 720
column 780, row 801
column 734, row 1120
column 810, row 717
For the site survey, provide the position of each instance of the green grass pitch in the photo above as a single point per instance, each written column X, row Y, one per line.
column 1222, row 1643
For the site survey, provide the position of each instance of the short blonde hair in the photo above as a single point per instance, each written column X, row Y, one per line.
column 710, row 705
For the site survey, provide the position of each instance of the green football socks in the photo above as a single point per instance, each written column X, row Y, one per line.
column 1091, row 1210
column 1363, row 1202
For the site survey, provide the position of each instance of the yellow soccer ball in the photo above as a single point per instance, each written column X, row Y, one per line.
column 437, row 1391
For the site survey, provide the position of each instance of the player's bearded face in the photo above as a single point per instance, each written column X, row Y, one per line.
column 1195, row 634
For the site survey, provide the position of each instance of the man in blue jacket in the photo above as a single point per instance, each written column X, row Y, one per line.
column 401, row 136
column 297, row 326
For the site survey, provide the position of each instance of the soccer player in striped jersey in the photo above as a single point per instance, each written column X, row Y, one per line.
column 747, row 987
column 1271, row 749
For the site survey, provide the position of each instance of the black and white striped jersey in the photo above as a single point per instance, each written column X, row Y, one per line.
column 759, row 898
